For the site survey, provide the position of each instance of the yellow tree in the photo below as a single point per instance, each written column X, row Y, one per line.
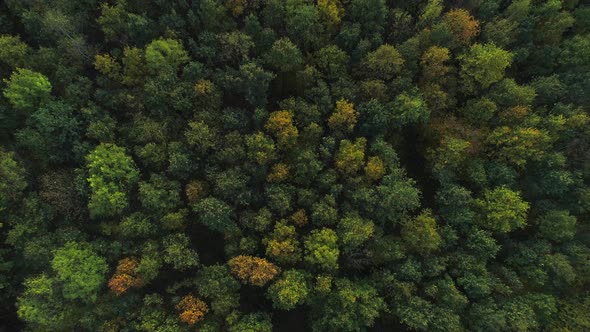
column 280, row 123
column 350, row 156
column 344, row 117
column 375, row 169
column 279, row 173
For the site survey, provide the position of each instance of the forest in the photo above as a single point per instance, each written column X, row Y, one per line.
column 294, row 165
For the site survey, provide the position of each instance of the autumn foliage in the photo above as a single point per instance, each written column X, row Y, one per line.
column 253, row 270
column 192, row 310
column 125, row 276
column 295, row 165
column 344, row 118
column 463, row 26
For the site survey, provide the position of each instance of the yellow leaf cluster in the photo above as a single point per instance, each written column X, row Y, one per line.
column 375, row 169
column 299, row 218
column 281, row 124
column 203, row 87
column 344, row 118
column 279, row 173
column 108, row 66
column 331, row 11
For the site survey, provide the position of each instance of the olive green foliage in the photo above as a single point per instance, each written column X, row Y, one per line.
column 558, row 226
column 294, row 165
column 12, row 180
column 421, row 234
column 352, row 306
column 13, row 51
column 384, row 62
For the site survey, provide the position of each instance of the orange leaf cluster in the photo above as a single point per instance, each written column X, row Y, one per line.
column 253, row 270
column 514, row 114
column 462, row 24
column 125, row 276
column 192, row 309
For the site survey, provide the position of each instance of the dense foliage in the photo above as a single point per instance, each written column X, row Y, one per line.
column 294, row 165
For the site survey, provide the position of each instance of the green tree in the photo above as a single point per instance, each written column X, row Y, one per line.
column 289, row 290
column 252, row 82
column 12, row 180
column 284, row 56
column 234, row 47
column 80, row 270
column 215, row 214
column 430, row 12
column 321, row 249
column 371, row 15
column 255, row 322
column 353, row 306
column 112, row 173
column 383, row 63
column 303, row 23
column 557, row 225
column 332, row 61
column 483, row 65
column 41, row 307
column 421, row 234
column 201, row 136
column 519, row 145
column 409, row 108
column 120, row 25
column 351, row 156
column 502, row 210
column 282, row 245
column 26, row 90
column 177, row 252
column 216, row 283
column 353, row 231
column 13, row 52
column 54, row 133
column 159, row 194
column 391, row 200
column 163, row 55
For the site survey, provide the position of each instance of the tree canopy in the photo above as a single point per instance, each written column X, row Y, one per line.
column 294, row 165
